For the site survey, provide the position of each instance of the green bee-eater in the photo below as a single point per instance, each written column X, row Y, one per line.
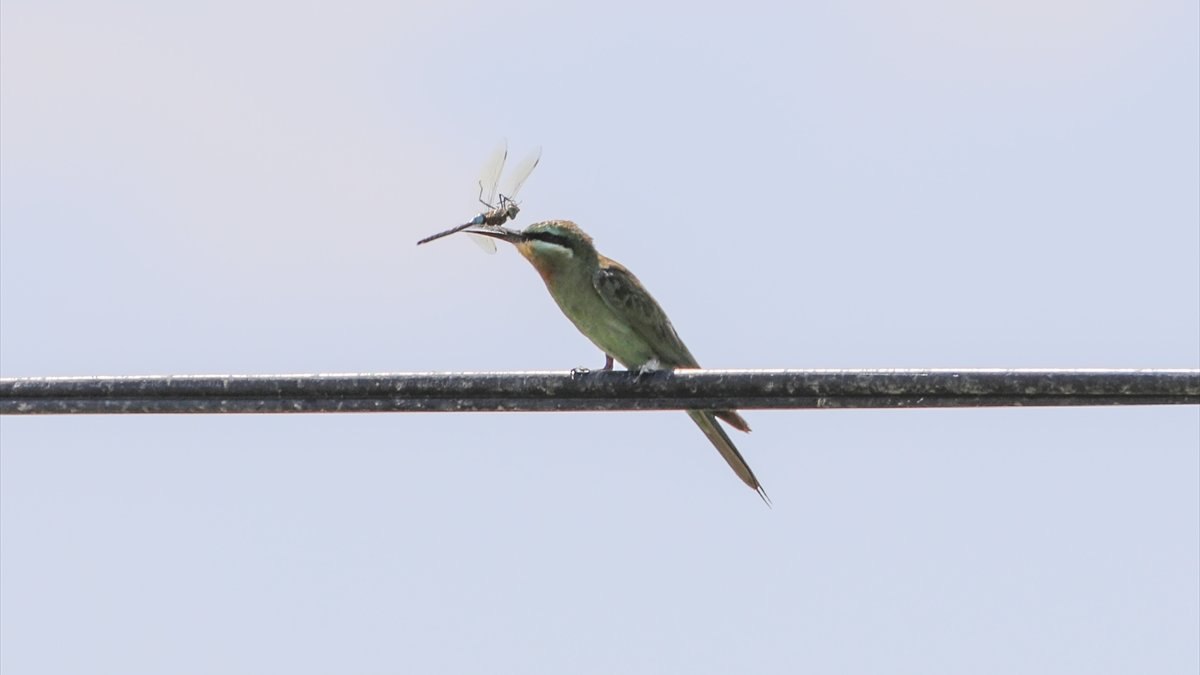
column 612, row 308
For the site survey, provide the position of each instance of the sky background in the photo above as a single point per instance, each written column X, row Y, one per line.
column 236, row 187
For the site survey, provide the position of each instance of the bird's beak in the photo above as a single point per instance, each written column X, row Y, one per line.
column 503, row 233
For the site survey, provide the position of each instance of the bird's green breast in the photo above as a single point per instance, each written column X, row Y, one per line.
column 576, row 296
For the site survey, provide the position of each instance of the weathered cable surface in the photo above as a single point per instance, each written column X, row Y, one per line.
column 596, row 391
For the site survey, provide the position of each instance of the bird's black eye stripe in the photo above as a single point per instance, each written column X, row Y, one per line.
column 551, row 238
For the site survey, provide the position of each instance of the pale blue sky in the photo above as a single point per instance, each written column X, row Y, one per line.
column 237, row 187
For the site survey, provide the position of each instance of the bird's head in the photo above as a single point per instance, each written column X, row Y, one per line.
column 551, row 246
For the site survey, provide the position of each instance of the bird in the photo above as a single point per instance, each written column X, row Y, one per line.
column 608, row 304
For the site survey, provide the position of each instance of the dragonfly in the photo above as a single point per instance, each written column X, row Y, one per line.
column 499, row 211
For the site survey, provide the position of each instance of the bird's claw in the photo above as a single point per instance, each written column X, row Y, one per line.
column 581, row 371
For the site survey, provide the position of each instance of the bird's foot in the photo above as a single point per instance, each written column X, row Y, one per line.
column 580, row 371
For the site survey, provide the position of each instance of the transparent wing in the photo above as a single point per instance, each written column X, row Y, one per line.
column 489, row 176
column 521, row 172
column 486, row 243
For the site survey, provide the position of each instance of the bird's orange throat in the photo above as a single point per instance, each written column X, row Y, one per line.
column 547, row 266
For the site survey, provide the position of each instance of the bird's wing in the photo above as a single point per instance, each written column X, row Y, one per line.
column 627, row 297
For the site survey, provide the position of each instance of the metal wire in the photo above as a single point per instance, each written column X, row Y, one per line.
column 597, row 390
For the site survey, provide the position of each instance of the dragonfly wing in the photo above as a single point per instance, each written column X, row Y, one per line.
column 489, row 176
column 486, row 243
column 521, row 172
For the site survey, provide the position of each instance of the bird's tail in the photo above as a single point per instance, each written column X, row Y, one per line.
column 707, row 421
column 735, row 420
